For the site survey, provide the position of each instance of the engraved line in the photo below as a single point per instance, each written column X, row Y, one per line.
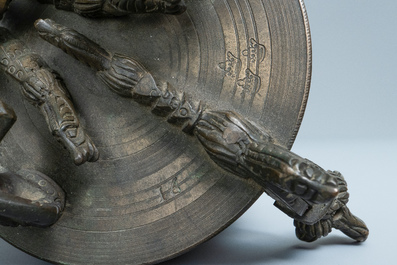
column 224, row 45
column 208, row 186
column 237, row 42
column 157, row 185
column 110, row 159
column 188, row 54
column 141, row 205
column 200, row 55
column 244, row 22
column 249, row 7
column 178, row 48
column 137, row 132
column 271, row 60
column 142, row 200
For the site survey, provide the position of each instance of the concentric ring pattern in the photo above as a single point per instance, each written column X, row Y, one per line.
column 154, row 193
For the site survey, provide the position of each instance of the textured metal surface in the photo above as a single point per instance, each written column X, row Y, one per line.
column 154, row 193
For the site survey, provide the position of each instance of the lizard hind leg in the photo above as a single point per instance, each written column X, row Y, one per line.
column 44, row 88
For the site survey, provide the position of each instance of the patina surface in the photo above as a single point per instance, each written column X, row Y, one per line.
column 156, row 190
column 315, row 198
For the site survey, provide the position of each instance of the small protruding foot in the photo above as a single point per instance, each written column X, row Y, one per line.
column 338, row 216
column 29, row 198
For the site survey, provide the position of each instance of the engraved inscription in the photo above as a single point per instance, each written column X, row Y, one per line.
column 231, row 66
column 251, row 83
column 255, row 52
column 169, row 190
column 248, row 80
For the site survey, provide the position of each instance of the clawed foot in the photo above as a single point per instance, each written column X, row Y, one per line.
column 120, row 73
column 337, row 216
column 79, row 145
column 341, row 219
column 247, row 149
column 312, row 183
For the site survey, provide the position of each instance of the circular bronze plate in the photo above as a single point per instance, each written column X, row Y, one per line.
column 154, row 193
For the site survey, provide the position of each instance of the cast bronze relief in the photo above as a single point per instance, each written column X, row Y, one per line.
column 182, row 136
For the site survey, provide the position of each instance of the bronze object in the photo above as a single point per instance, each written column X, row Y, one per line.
column 154, row 192
column 28, row 198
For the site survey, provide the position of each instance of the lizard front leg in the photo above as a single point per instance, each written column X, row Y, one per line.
column 314, row 197
column 44, row 88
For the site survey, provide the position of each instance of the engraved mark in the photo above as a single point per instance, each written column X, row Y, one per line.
column 255, row 52
column 250, row 84
column 248, row 80
column 231, row 66
column 169, row 190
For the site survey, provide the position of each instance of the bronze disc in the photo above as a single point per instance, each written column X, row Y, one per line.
column 154, row 193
